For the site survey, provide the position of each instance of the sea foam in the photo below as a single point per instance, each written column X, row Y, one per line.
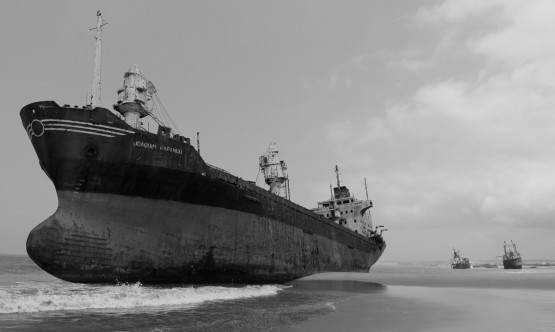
column 20, row 299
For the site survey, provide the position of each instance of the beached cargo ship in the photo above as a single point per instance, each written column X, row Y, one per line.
column 135, row 205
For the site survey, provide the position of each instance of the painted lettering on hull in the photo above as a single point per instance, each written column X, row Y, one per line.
column 171, row 149
column 153, row 146
column 145, row 145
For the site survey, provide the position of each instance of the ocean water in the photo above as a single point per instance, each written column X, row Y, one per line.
column 392, row 297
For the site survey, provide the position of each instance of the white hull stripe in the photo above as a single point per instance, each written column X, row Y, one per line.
column 90, row 125
column 59, row 125
column 80, row 131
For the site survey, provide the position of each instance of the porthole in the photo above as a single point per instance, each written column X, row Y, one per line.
column 91, row 151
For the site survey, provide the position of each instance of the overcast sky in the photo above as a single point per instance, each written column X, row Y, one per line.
column 447, row 108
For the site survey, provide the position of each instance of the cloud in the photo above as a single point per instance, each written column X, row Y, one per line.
column 457, row 11
column 362, row 62
column 474, row 151
column 413, row 65
column 518, row 31
column 338, row 82
column 332, row 83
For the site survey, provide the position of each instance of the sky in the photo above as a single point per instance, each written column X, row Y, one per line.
column 446, row 108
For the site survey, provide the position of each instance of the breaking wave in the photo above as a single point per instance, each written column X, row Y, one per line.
column 25, row 298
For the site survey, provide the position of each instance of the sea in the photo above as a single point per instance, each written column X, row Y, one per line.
column 393, row 296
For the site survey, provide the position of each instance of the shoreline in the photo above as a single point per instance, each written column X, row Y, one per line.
column 415, row 308
column 539, row 278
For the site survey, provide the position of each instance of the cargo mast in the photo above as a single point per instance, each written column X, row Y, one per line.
column 93, row 99
column 274, row 171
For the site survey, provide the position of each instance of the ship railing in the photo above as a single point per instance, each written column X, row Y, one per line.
column 217, row 168
column 224, row 175
column 377, row 238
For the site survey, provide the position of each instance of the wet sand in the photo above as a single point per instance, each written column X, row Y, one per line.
column 432, row 300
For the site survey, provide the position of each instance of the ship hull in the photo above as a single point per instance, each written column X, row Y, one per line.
column 135, row 206
column 465, row 265
column 512, row 264
column 94, row 239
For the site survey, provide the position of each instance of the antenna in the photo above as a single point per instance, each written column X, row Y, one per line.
column 337, row 176
column 93, row 100
column 198, row 143
column 366, row 188
column 288, row 188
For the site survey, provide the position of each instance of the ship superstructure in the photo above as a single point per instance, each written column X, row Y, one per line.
column 136, row 205
column 347, row 211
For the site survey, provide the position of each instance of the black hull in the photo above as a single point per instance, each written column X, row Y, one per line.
column 512, row 264
column 460, row 266
column 135, row 206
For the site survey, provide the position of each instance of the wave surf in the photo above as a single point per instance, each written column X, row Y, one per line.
column 24, row 298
